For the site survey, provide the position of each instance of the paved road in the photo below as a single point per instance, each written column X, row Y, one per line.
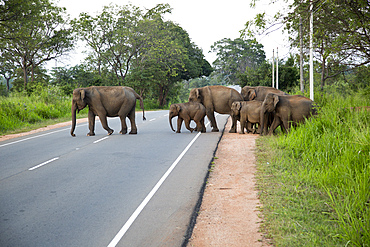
column 131, row 190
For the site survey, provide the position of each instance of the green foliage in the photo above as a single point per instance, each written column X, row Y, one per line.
column 262, row 75
column 135, row 47
column 31, row 33
column 319, row 177
column 19, row 110
column 235, row 56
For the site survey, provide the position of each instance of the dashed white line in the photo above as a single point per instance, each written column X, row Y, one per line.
column 102, row 139
column 152, row 119
column 42, row 164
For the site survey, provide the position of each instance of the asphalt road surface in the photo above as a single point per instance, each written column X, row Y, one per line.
column 118, row 190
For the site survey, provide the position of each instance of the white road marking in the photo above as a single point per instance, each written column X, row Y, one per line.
column 42, row 164
column 152, row 119
column 33, row 137
column 101, row 139
column 166, row 115
column 136, row 213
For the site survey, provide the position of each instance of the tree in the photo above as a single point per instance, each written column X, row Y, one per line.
column 33, row 32
column 235, row 56
column 341, row 32
column 116, row 36
column 141, row 49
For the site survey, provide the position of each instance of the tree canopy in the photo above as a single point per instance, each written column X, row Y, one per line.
column 341, row 32
column 31, row 33
column 234, row 57
column 141, row 49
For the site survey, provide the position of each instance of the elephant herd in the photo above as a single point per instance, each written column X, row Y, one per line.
column 266, row 107
column 260, row 106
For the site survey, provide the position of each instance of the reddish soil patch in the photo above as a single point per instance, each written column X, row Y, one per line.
column 229, row 215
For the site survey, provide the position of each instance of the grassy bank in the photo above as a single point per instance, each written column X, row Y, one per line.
column 315, row 181
column 20, row 112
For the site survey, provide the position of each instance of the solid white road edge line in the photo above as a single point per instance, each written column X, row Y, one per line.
column 136, row 213
column 42, row 164
column 33, row 137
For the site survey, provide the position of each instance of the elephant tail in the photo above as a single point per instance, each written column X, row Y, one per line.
column 141, row 104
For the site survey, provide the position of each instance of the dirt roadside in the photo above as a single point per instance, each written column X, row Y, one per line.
column 228, row 215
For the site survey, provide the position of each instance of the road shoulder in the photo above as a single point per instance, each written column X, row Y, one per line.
column 229, row 212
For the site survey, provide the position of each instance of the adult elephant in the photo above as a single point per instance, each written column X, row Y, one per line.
column 216, row 99
column 106, row 102
column 287, row 110
column 259, row 92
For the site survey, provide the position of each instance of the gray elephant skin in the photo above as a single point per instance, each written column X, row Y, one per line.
column 106, row 101
column 186, row 112
column 249, row 113
column 287, row 110
column 259, row 92
column 216, row 99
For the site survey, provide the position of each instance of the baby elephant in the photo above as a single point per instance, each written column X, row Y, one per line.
column 249, row 113
column 188, row 111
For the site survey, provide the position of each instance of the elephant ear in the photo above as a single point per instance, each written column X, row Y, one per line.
column 252, row 94
column 178, row 108
column 197, row 93
column 276, row 100
column 238, row 105
column 82, row 93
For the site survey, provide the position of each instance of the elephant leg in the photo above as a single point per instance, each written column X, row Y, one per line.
column 187, row 125
column 199, row 125
column 259, row 129
column 91, row 118
column 203, row 127
column 179, row 123
column 123, row 125
column 242, row 125
column 131, row 116
column 277, row 121
column 104, row 123
column 249, row 127
column 234, row 124
column 212, row 119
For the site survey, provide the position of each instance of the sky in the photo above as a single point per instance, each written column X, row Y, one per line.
column 206, row 21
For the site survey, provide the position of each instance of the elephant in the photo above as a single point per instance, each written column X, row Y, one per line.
column 287, row 110
column 249, row 113
column 106, row 101
column 186, row 112
column 216, row 99
column 259, row 92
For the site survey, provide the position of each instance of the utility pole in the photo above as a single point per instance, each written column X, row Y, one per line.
column 301, row 55
column 277, row 69
column 311, row 52
column 273, row 70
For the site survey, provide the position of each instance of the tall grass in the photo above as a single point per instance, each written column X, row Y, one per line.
column 321, row 171
column 19, row 111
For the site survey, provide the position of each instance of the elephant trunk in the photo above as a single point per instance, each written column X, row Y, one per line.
column 170, row 119
column 73, row 110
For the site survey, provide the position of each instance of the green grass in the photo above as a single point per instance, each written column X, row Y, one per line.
column 315, row 181
column 45, row 106
column 19, row 112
